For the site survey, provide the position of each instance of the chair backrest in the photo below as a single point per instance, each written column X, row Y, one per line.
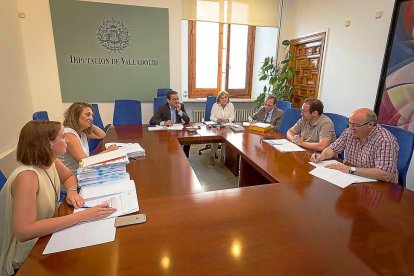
column 405, row 141
column 127, row 112
column 211, row 100
column 163, row 91
column 340, row 122
column 290, row 117
column 40, row 116
column 3, row 179
column 97, row 120
column 283, row 105
column 158, row 101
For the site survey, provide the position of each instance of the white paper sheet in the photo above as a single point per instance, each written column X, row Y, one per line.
column 125, row 202
column 338, row 178
column 173, row 127
column 283, row 145
column 82, row 235
column 103, row 157
column 132, row 149
column 324, row 163
column 108, row 188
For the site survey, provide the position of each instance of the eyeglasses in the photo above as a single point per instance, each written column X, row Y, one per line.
column 354, row 125
column 303, row 110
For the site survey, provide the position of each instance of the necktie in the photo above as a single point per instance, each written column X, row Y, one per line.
column 267, row 117
column 173, row 115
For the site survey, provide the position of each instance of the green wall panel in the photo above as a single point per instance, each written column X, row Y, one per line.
column 108, row 51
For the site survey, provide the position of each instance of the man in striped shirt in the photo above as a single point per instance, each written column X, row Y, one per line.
column 370, row 150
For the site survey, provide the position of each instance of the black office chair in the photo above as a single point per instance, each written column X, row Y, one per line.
column 211, row 100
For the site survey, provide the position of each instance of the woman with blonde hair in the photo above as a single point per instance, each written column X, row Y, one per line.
column 30, row 196
column 78, row 127
column 221, row 112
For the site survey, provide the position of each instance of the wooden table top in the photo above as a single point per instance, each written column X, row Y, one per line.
column 302, row 225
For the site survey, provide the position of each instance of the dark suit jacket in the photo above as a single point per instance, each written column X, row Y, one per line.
column 276, row 117
column 164, row 114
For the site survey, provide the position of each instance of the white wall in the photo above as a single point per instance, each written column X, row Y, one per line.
column 265, row 46
column 41, row 57
column 16, row 102
column 353, row 55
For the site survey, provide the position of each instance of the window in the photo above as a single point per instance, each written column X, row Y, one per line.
column 212, row 45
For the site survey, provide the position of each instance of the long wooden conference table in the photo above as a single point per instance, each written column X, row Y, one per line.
column 282, row 221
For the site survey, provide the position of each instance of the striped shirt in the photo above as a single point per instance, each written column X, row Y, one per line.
column 379, row 150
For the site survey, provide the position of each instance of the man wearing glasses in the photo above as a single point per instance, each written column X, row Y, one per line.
column 269, row 113
column 314, row 130
column 370, row 150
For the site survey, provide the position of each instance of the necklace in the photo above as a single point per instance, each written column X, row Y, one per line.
column 54, row 188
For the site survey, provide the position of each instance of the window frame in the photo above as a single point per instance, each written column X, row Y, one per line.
column 194, row 92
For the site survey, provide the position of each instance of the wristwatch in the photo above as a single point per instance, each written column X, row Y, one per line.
column 352, row 170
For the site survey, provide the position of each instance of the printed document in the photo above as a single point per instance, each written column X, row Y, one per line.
column 283, row 145
column 82, row 235
column 338, row 178
column 173, row 127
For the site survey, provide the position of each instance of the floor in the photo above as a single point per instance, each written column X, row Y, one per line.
column 211, row 177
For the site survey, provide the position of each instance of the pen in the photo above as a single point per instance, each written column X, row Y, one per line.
column 86, row 207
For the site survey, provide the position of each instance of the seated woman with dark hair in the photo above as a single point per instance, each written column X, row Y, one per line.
column 30, row 196
column 78, row 126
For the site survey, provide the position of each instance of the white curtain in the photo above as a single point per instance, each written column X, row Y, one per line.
column 249, row 12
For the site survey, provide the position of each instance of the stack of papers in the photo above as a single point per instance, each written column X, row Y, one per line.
column 210, row 123
column 121, row 195
column 260, row 126
column 236, row 127
column 283, row 145
column 336, row 177
column 173, row 127
column 133, row 150
column 102, row 168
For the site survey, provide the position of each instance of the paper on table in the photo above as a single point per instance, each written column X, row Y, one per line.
column 103, row 157
column 109, row 188
column 283, row 145
column 173, row 127
column 356, row 178
column 132, row 149
column 125, row 203
column 246, row 124
column 324, row 163
column 338, row 178
column 332, row 176
column 82, row 235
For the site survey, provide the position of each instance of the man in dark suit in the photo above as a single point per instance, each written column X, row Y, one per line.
column 173, row 112
column 269, row 113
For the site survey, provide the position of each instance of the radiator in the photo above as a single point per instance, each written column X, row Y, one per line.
column 242, row 115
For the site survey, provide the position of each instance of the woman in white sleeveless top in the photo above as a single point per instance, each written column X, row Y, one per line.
column 78, row 126
column 30, row 196
column 221, row 112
